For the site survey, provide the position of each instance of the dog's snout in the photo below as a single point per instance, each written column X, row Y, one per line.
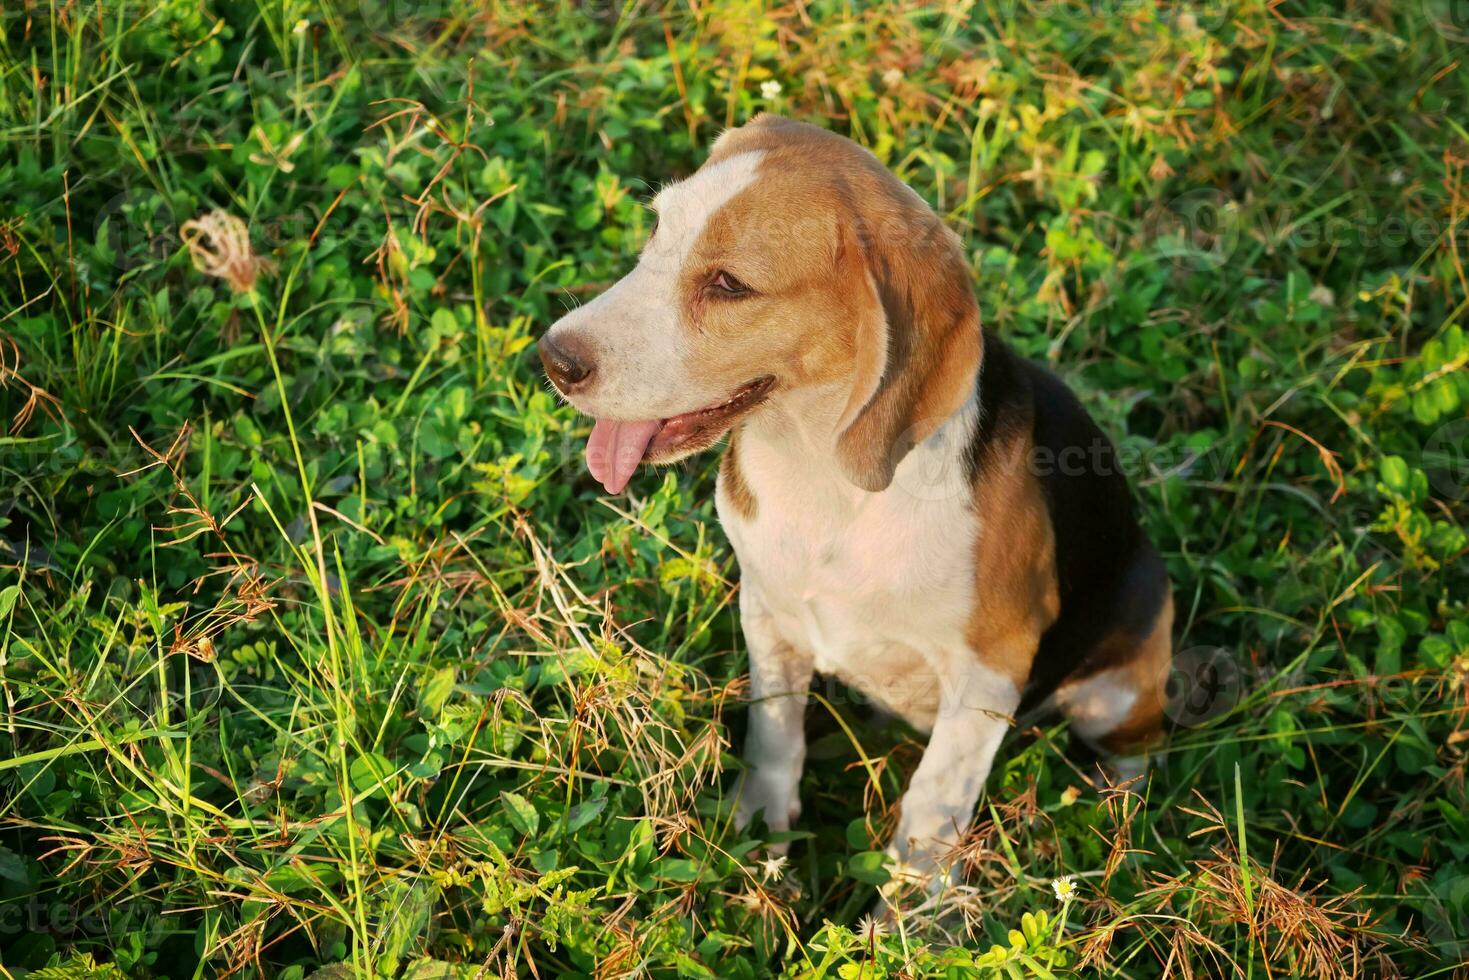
column 566, row 363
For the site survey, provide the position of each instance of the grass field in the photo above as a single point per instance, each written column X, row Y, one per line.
column 321, row 654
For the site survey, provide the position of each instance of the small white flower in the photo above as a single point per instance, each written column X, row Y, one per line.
column 770, row 89
column 301, row 26
column 892, row 77
column 871, row 927
column 773, row 867
column 1064, row 887
column 1322, row 295
column 749, row 900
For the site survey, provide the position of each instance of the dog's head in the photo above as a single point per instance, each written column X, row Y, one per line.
column 792, row 258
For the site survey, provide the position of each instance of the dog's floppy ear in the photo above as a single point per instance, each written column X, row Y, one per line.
column 917, row 339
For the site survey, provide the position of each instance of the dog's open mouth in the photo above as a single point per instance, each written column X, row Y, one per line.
column 616, row 448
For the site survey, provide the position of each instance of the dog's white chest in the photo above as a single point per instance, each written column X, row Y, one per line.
column 875, row 585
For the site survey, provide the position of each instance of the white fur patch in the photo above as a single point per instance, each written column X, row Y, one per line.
column 874, row 585
column 974, row 713
column 877, row 589
column 634, row 332
column 775, row 748
column 1097, row 705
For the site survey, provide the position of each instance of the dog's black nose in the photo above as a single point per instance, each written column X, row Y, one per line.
column 565, row 362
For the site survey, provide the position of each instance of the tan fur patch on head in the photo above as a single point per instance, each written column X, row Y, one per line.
column 779, row 237
column 898, row 305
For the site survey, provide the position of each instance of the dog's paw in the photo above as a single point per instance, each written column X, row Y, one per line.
column 912, row 888
column 922, row 872
column 758, row 794
column 1128, row 773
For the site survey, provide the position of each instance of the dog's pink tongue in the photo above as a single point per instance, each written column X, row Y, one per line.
column 615, row 450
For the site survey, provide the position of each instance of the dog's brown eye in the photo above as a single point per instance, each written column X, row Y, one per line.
column 727, row 284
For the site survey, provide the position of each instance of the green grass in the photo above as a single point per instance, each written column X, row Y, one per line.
column 320, row 651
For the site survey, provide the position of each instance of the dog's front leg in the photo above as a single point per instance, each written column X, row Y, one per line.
column 976, row 705
column 775, row 746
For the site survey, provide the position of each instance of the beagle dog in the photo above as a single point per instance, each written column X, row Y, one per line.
column 915, row 508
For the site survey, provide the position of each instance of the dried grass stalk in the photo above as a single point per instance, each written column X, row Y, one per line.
column 219, row 244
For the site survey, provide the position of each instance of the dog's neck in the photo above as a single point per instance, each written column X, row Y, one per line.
column 802, row 422
column 800, row 429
